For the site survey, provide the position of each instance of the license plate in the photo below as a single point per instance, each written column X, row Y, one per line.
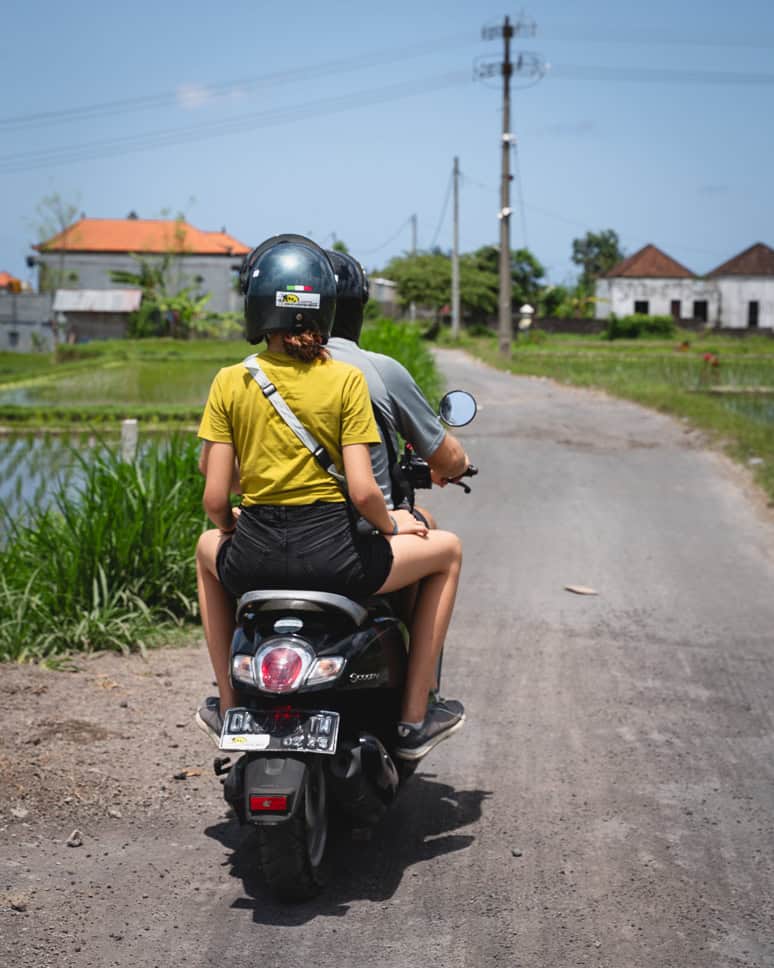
column 280, row 731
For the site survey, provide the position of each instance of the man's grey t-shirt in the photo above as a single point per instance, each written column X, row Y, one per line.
column 400, row 405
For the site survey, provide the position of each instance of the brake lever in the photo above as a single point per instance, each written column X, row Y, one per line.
column 462, row 485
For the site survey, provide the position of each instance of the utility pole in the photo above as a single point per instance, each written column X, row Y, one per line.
column 504, row 318
column 533, row 66
column 455, row 260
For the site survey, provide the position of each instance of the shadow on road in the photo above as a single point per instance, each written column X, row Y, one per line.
column 367, row 865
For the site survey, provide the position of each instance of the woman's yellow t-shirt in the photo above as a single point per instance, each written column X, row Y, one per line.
column 329, row 398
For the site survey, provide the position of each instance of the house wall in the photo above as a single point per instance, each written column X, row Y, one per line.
column 25, row 322
column 618, row 296
column 736, row 292
column 93, row 271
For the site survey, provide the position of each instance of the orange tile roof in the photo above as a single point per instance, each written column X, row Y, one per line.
column 758, row 260
column 141, row 235
column 650, row 263
column 6, row 279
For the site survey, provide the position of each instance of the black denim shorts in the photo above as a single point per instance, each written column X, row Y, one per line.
column 312, row 546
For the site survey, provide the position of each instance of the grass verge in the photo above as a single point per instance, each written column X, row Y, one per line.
column 721, row 384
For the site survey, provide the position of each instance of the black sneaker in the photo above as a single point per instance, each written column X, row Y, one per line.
column 209, row 719
column 443, row 718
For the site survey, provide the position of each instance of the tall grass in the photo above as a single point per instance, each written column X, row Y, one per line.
column 109, row 560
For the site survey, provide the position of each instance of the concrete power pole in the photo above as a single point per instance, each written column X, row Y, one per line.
column 531, row 65
column 504, row 317
column 455, row 260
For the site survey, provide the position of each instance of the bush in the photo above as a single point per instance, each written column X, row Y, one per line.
column 109, row 561
column 639, row 325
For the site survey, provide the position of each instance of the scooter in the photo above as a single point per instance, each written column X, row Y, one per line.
column 320, row 678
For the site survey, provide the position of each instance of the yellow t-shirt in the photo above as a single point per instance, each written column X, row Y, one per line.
column 329, row 398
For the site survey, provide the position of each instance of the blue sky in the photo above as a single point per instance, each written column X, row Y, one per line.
column 344, row 118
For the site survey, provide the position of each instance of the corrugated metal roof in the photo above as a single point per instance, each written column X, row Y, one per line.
column 97, row 300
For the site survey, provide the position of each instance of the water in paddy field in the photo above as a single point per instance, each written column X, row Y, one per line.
column 30, row 465
column 760, row 409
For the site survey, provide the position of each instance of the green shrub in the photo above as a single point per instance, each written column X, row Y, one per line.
column 109, row 560
column 639, row 325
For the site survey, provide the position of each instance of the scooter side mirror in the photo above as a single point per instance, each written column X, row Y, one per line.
column 457, row 408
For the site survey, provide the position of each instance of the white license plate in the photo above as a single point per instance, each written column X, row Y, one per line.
column 280, row 731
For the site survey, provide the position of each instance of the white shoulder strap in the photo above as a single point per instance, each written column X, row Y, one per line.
column 276, row 399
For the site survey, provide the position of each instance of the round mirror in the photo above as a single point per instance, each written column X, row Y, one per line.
column 457, row 408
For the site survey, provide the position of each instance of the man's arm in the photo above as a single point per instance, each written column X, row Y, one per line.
column 449, row 460
column 418, row 423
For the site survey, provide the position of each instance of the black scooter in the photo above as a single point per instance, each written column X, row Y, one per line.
column 320, row 677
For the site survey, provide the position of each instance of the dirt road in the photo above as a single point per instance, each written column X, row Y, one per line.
column 609, row 802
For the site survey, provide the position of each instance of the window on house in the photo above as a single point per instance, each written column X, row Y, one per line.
column 674, row 308
column 641, row 306
column 700, row 310
column 13, row 338
column 752, row 314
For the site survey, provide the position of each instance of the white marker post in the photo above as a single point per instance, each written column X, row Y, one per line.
column 128, row 440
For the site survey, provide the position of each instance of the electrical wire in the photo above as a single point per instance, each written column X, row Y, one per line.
column 391, row 238
column 68, row 154
column 443, row 211
column 229, row 88
column 656, row 75
column 520, row 191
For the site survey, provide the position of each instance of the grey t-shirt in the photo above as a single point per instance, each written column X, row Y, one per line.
column 400, row 405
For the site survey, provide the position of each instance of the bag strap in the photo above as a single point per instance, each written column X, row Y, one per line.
column 276, row 399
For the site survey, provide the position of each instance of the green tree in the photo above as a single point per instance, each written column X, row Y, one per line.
column 424, row 278
column 162, row 312
column 340, row 246
column 596, row 253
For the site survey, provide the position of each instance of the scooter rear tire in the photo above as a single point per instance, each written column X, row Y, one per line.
column 291, row 853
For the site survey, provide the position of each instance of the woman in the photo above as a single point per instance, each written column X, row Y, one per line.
column 295, row 527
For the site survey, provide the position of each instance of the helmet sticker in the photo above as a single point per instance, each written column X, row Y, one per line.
column 301, row 299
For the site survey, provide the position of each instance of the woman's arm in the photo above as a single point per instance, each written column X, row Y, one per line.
column 219, row 471
column 366, row 494
column 236, row 483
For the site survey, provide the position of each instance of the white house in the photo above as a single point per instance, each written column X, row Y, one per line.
column 739, row 294
column 653, row 283
column 746, row 287
column 84, row 255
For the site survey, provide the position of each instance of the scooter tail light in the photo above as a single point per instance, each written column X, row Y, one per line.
column 268, row 804
column 281, row 668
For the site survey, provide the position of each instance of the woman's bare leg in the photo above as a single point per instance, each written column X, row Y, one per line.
column 436, row 558
column 217, row 611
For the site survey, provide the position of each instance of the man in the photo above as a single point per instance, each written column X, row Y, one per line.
column 399, row 405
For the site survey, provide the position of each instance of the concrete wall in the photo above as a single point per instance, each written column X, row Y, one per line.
column 736, row 294
column 205, row 273
column 618, row 296
column 25, row 321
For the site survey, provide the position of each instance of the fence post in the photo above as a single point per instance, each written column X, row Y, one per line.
column 128, row 440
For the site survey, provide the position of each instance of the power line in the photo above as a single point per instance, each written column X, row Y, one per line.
column 229, row 87
column 657, row 75
column 68, row 154
column 392, row 238
column 443, row 211
column 520, row 190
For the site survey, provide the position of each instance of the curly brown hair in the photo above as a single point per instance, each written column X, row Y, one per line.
column 306, row 345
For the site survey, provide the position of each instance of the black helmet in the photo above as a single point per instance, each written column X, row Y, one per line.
column 288, row 284
column 351, row 294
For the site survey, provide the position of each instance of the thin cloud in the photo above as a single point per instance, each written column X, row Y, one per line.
column 191, row 97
